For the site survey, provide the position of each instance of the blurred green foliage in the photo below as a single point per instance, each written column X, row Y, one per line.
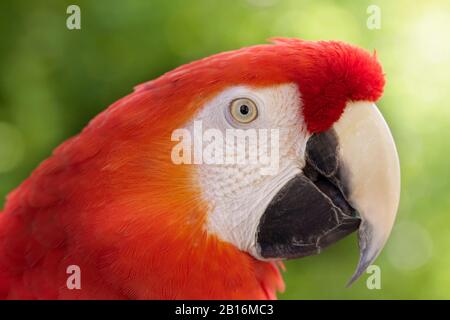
column 54, row 80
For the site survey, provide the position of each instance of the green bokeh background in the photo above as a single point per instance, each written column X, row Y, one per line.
column 54, row 80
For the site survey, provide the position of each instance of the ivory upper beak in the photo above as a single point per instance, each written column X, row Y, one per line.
column 371, row 165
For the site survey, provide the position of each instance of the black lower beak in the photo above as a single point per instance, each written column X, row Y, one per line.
column 310, row 212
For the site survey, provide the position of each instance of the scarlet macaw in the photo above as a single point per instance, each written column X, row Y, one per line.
column 139, row 226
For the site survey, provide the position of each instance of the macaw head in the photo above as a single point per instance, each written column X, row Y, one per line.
column 335, row 170
column 331, row 166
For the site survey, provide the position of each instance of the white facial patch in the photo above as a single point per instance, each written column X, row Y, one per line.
column 238, row 194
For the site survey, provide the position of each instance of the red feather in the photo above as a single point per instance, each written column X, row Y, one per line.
column 111, row 201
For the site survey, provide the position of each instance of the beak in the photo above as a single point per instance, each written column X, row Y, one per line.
column 351, row 181
column 368, row 151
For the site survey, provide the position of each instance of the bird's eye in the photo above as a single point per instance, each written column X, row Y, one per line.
column 243, row 110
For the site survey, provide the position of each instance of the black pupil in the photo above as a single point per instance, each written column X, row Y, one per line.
column 244, row 109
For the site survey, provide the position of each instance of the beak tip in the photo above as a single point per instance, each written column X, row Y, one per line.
column 365, row 260
column 359, row 271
